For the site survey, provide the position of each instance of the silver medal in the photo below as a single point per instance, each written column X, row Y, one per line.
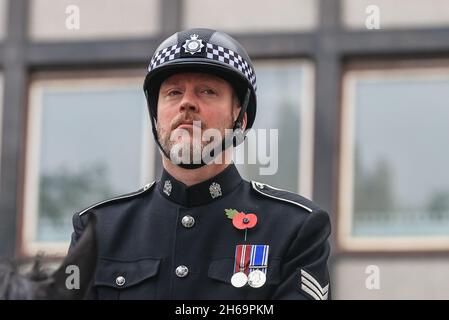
column 256, row 279
column 239, row 279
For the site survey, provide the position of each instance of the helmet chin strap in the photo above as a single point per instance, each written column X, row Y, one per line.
column 237, row 136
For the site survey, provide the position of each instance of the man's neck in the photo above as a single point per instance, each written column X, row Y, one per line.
column 192, row 176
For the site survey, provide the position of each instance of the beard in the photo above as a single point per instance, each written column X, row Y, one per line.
column 187, row 146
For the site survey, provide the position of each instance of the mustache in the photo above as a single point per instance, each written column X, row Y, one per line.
column 178, row 120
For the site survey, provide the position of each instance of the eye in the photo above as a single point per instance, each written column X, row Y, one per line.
column 173, row 92
column 210, row 91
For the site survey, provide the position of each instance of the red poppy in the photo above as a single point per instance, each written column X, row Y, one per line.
column 244, row 221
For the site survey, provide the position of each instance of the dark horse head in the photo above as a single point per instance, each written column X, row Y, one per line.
column 38, row 285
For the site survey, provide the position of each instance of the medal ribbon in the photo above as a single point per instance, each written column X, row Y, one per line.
column 259, row 258
column 242, row 257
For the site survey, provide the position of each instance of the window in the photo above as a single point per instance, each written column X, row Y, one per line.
column 98, row 19
column 88, row 139
column 400, row 278
column 397, row 14
column 251, row 15
column 394, row 181
column 284, row 102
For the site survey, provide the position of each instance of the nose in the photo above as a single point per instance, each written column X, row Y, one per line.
column 189, row 102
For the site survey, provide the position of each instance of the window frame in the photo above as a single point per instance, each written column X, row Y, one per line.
column 84, row 81
column 2, row 87
column 386, row 72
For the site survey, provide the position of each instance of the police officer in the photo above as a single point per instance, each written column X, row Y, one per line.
column 202, row 232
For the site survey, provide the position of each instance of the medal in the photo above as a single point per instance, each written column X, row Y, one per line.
column 256, row 279
column 239, row 279
column 258, row 266
column 242, row 257
column 250, row 265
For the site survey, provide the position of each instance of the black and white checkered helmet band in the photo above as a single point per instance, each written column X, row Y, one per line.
column 232, row 58
column 164, row 55
column 213, row 52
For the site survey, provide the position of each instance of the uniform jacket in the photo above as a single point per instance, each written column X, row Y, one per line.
column 170, row 241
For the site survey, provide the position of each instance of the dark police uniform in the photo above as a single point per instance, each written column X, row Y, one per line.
column 170, row 241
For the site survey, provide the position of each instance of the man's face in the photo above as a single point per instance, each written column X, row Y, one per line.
column 185, row 98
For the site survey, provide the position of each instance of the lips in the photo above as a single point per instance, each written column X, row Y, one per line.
column 187, row 124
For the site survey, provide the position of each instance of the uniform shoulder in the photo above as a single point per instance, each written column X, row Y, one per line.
column 145, row 188
column 284, row 196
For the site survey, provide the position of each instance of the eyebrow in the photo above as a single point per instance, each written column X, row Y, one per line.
column 167, row 83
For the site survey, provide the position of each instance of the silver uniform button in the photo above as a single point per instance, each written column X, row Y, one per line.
column 188, row 221
column 120, row 281
column 182, row 271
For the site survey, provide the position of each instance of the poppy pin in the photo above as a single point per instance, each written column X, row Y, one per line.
column 241, row 220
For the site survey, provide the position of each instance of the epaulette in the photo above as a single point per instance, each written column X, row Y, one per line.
column 280, row 194
column 128, row 195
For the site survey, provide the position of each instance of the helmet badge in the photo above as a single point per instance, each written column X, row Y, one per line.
column 193, row 45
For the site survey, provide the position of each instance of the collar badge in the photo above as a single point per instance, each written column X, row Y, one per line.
column 215, row 190
column 167, row 187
